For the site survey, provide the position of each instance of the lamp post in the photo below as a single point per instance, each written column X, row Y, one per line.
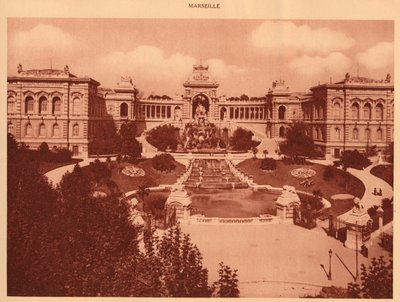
column 330, row 264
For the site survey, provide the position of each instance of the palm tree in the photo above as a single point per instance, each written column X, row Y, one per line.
column 265, row 153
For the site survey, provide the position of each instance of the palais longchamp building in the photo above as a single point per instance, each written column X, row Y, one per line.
column 67, row 111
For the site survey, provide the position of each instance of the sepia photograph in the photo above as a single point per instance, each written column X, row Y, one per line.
column 199, row 157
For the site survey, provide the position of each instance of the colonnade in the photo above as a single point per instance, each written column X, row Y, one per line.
column 246, row 112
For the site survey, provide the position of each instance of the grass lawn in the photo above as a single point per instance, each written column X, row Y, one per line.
column 45, row 167
column 384, row 172
column 282, row 177
column 152, row 177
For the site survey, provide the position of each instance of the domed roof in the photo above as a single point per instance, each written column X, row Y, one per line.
column 200, row 77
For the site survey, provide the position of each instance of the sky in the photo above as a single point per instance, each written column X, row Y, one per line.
column 244, row 56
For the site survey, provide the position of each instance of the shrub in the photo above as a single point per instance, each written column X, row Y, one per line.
column 163, row 162
column 329, row 173
column 268, row 164
column 241, row 140
column 314, row 202
column 163, row 137
column 60, row 156
column 355, row 159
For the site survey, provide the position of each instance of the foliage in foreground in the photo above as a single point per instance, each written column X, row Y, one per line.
column 376, row 282
column 65, row 242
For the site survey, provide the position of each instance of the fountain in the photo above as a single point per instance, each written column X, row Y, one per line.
column 213, row 174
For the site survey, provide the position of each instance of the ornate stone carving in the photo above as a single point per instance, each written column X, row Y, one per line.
column 19, row 68
column 66, row 69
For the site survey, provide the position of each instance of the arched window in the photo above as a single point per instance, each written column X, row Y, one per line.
column 367, row 134
column 42, row 105
column 355, row 134
column 337, row 133
column 282, row 131
column 56, row 130
column 28, row 129
column 10, row 104
column 336, row 110
column 367, row 112
column 29, row 104
column 75, row 130
column 123, row 109
column 56, row 105
column 281, row 112
column 42, row 130
column 10, row 128
column 379, row 112
column 177, row 113
column 76, row 106
column 222, row 116
column 379, row 134
column 355, row 111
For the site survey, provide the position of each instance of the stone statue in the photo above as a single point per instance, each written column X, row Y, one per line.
column 200, row 112
column 347, row 76
column 388, row 78
column 66, row 69
column 357, row 206
column 19, row 68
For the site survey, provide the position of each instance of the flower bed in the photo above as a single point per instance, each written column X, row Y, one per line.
column 133, row 171
column 303, row 172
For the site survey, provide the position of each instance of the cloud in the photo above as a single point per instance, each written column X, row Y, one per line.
column 219, row 69
column 334, row 63
column 44, row 39
column 154, row 68
column 378, row 56
column 283, row 36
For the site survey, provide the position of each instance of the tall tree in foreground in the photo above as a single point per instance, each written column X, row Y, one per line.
column 376, row 280
column 227, row 284
column 129, row 144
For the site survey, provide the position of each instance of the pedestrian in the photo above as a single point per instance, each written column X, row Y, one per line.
column 374, row 191
column 380, row 192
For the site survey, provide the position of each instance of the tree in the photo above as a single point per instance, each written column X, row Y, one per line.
column 241, row 140
column 254, row 150
column 298, row 143
column 99, row 171
column 129, row 144
column 376, row 280
column 265, row 152
column 163, row 162
column 163, row 137
column 354, row 159
column 227, row 284
column 43, row 151
column 268, row 164
column 178, row 266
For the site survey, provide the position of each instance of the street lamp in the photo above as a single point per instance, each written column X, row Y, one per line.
column 330, row 265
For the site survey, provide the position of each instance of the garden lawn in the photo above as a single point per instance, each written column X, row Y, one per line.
column 281, row 176
column 384, row 172
column 45, row 167
column 152, row 177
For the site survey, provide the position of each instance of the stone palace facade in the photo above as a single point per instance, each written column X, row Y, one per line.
column 67, row 111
